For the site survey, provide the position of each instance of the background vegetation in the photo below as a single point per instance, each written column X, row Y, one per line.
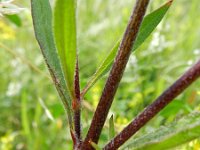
column 32, row 116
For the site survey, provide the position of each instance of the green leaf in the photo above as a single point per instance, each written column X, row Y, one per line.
column 150, row 22
column 65, row 37
column 15, row 19
column 42, row 22
column 111, row 128
column 173, row 135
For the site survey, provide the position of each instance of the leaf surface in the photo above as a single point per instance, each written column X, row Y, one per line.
column 42, row 22
column 173, row 135
column 65, row 37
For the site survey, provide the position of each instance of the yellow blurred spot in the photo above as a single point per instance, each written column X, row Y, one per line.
column 125, row 120
column 125, row 12
column 197, row 108
column 118, row 121
column 96, row 89
column 6, row 142
column 198, row 92
column 197, row 146
column 59, row 123
column 7, row 33
column 121, row 121
column 95, row 95
column 136, row 101
column 95, row 99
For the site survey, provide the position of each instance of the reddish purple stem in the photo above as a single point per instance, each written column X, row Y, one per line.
column 77, row 106
column 162, row 101
column 115, row 74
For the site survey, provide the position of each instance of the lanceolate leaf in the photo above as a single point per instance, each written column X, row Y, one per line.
column 180, row 132
column 42, row 21
column 65, row 37
column 111, row 128
column 149, row 23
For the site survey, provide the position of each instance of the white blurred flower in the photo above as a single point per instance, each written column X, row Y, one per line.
column 190, row 62
column 7, row 8
column 13, row 89
column 155, row 41
column 39, row 60
column 196, row 51
column 17, row 67
column 14, row 63
column 132, row 60
column 159, row 43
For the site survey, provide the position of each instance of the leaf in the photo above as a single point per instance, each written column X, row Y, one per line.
column 15, row 19
column 111, row 128
column 173, row 135
column 65, row 37
column 150, row 22
column 42, row 22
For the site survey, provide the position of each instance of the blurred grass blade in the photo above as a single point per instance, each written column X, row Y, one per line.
column 46, row 110
column 150, row 22
column 37, row 113
column 42, row 21
column 24, row 116
column 177, row 133
column 111, row 128
column 65, row 37
column 14, row 19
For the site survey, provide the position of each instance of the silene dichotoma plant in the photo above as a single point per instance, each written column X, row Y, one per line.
column 56, row 34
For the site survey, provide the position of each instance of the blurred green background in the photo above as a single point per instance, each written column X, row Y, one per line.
column 31, row 114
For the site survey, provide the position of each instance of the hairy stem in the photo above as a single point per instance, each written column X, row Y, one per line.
column 163, row 100
column 116, row 73
column 77, row 105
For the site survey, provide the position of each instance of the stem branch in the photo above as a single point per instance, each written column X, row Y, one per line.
column 162, row 101
column 116, row 73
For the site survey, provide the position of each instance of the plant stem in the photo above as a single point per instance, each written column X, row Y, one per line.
column 77, row 105
column 163, row 100
column 116, row 73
